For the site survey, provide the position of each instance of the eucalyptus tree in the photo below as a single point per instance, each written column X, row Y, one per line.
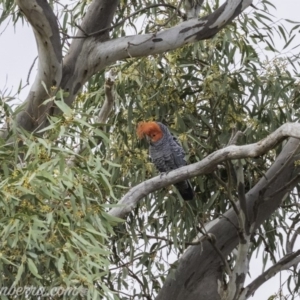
column 81, row 205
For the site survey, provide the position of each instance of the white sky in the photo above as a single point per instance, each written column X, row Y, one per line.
column 18, row 51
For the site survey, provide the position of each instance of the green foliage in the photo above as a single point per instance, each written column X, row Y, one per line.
column 53, row 209
column 57, row 187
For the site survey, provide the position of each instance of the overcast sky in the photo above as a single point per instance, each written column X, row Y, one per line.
column 18, row 51
column 18, row 47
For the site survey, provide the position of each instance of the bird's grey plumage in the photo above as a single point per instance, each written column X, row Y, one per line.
column 167, row 155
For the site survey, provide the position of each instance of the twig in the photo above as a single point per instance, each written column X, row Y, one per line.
column 284, row 264
column 291, row 241
column 242, row 197
column 235, row 135
column 241, row 231
column 280, row 170
column 173, row 15
column 80, row 28
column 30, row 69
column 119, row 23
column 213, row 244
column 267, row 248
column 171, row 242
column 133, row 275
column 286, row 186
column 109, row 99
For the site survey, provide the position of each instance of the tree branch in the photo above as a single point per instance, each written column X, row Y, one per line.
column 240, row 270
column 129, row 201
column 239, row 273
column 109, row 99
column 156, row 43
column 171, row 242
column 43, row 21
column 192, row 8
column 190, row 280
column 204, row 233
column 242, row 198
column 284, row 264
column 92, row 54
column 125, row 19
column 80, row 64
column 291, row 238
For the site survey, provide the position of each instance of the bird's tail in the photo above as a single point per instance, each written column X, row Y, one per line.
column 185, row 189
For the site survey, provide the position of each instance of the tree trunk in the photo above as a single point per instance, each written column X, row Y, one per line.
column 200, row 267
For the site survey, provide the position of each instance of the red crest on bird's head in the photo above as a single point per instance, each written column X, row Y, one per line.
column 150, row 129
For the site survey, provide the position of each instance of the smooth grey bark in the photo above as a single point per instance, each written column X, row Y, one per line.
column 43, row 21
column 79, row 64
column 53, row 72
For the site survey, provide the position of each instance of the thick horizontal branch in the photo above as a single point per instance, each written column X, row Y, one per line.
column 129, row 201
column 155, row 43
column 96, row 54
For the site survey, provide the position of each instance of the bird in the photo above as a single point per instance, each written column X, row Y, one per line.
column 165, row 152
